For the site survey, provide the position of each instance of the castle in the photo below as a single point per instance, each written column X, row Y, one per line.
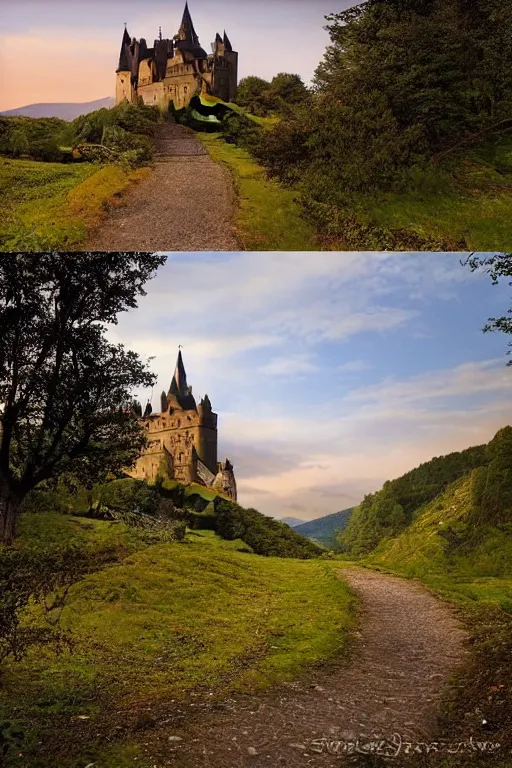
column 182, row 439
column 175, row 70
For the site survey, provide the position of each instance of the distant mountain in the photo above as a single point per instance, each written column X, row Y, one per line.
column 64, row 111
column 324, row 529
column 292, row 521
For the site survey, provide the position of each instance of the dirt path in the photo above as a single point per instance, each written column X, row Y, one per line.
column 407, row 645
column 187, row 204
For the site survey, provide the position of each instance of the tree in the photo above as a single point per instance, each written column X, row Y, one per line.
column 498, row 266
column 250, row 90
column 66, row 391
column 288, row 88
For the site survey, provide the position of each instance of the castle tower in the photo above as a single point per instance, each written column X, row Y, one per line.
column 124, row 85
column 182, row 438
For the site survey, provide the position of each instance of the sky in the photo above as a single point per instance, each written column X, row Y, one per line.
column 61, row 51
column 330, row 373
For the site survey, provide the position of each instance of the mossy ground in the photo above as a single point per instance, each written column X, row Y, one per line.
column 163, row 623
column 466, row 199
column 268, row 217
column 464, row 202
column 48, row 206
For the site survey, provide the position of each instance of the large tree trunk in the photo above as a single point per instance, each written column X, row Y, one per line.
column 9, row 510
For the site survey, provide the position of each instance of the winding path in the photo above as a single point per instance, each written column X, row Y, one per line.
column 186, row 204
column 407, row 645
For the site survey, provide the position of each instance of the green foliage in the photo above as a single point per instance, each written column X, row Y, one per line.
column 44, row 577
column 492, row 484
column 264, row 535
column 387, row 118
column 387, row 512
column 263, row 98
column 497, row 266
column 240, row 130
column 67, row 390
column 113, row 125
column 40, row 139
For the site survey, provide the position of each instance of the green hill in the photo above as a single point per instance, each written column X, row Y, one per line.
column 147, row 621
column 325, row 529
column 389, row 511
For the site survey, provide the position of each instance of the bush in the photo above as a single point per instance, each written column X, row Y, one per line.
column 43, row 577
column 264, row 535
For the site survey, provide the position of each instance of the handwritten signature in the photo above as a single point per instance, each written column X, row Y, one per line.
column 396, row 746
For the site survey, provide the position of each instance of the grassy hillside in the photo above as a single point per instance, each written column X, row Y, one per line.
column 459, row 544
column 268, row 217
column 157, row 625
column 390, row 510
column 53, row 205
column 325, row 529
column 60, row 178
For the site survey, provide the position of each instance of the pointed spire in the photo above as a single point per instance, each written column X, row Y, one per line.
column 186, row 30
column 148, row 411
column 218, row 38
column 227, row 44
column 179, row 385
column 124, row 56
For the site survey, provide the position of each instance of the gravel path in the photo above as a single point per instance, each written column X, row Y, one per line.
column 407, row 644
column 187, row 204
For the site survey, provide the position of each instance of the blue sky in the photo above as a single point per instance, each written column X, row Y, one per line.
column 68, row 51
column 330, row 372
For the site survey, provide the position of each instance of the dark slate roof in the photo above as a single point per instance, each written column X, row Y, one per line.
column 196, row 50
column 227, row 44
column 218, row 38
column 124, row 56
column 186, row 30
column 179, row 387
column 179, row 384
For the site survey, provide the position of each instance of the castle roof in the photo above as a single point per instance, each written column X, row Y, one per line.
column 124, row 56
column 227, row 44
column 179, row 387
column 187, row 39
column 186, row 30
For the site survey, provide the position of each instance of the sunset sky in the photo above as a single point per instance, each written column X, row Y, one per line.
column 330, row 372
column 61, row 51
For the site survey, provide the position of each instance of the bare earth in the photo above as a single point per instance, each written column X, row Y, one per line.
column 187, row 204
column 406, row 646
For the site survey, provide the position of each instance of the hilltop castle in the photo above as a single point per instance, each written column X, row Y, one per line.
column 182, row 439
column 175, row 70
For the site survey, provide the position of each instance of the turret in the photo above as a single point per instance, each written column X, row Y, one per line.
column 124, row 79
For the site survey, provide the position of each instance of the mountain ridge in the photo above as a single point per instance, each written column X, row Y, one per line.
column 63, row 110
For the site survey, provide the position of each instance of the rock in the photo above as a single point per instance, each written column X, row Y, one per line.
column 252, row 751
column 297, row 746
column 175, row 738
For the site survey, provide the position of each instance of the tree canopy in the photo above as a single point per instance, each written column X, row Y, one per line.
column 498, row 267
column 66, row 391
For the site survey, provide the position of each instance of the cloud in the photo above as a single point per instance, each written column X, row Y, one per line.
column 289, row 366
column 354, row 366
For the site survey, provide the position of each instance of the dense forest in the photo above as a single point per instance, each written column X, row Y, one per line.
column 389, row 511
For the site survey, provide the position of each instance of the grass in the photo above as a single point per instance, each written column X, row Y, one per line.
column 50, row 206
column 163, row 623
column 466, row 201
column 268, row 218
